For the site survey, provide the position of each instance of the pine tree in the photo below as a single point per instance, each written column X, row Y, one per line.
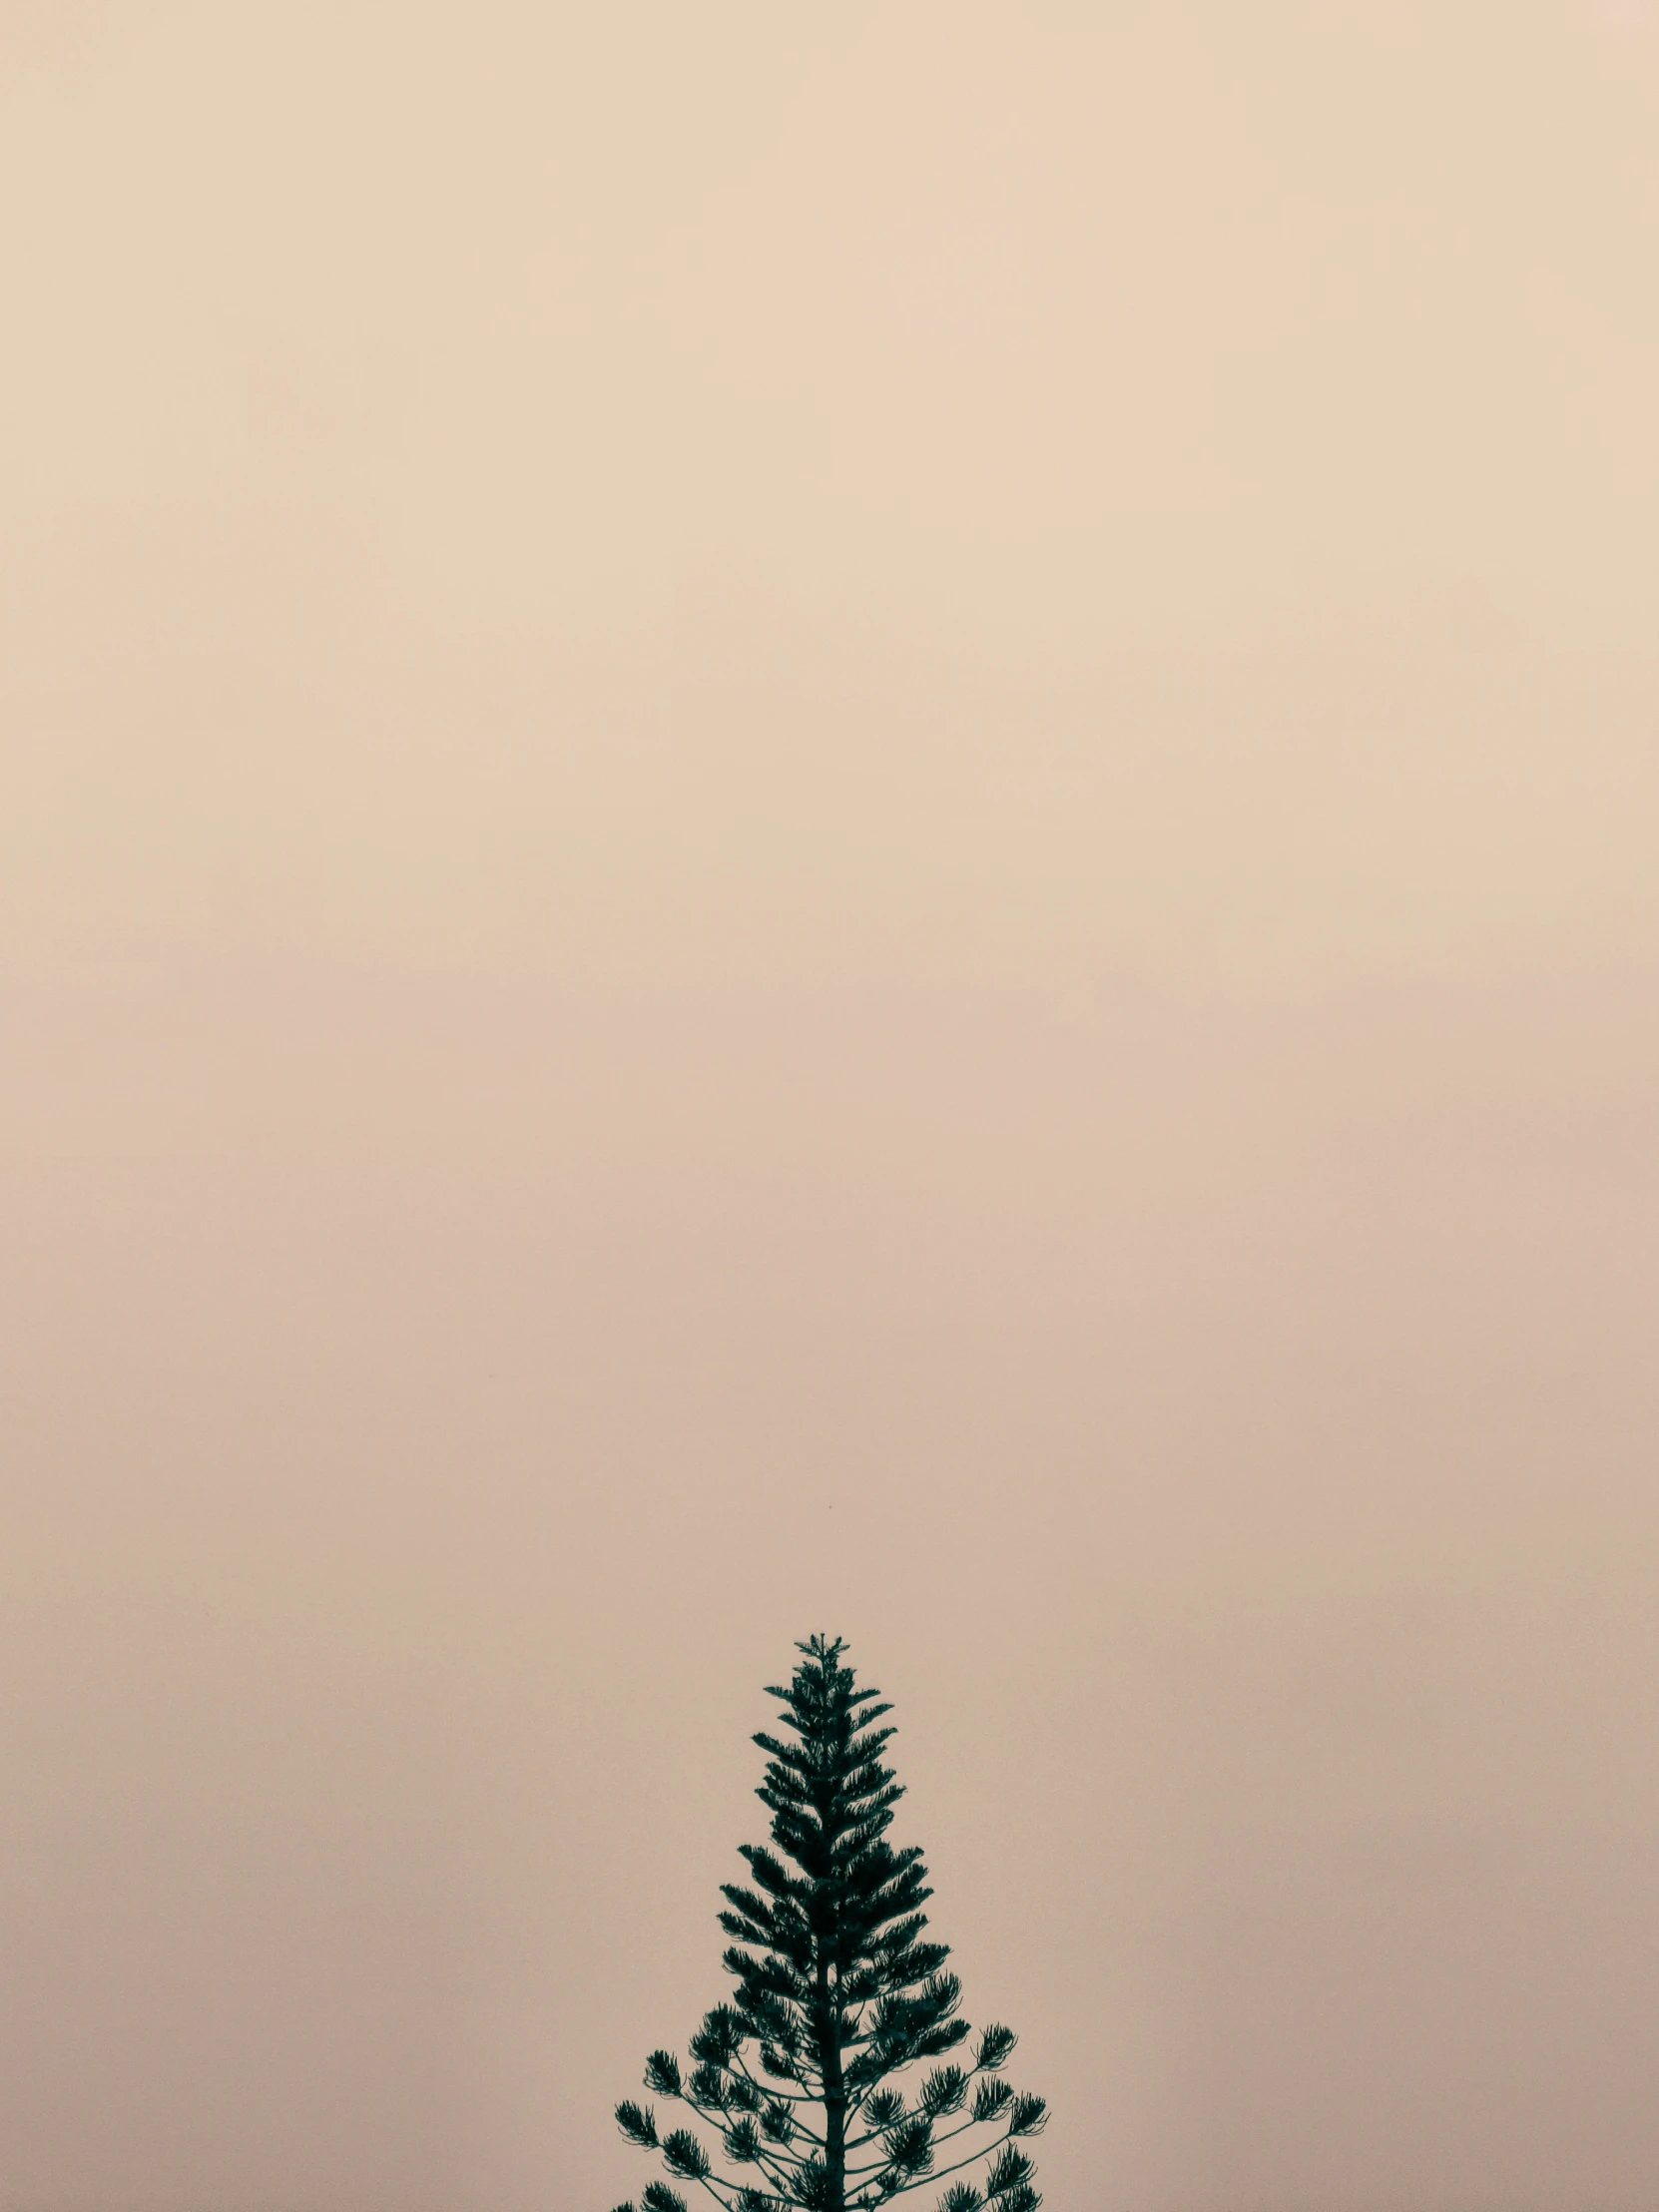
column 836, row 1996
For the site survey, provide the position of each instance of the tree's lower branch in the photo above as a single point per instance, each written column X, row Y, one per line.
column 943, row 2173
column 781, row 2098
column 768, row 2088
column 949, row 2136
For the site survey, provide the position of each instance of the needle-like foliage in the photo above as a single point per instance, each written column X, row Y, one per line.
column 796, row 2080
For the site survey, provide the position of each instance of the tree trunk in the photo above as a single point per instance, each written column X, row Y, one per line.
column 834, row 2096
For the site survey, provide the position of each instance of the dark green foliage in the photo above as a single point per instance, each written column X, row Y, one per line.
column 741, row 2143
column 944, row 2090
column 837, row 1993
column 662, row 2073
column 685, row 2155
column 1009, row 2169
column 990, row 2098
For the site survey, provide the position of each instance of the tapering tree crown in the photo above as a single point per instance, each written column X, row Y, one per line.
column 852, row 1904
column 837, row 1993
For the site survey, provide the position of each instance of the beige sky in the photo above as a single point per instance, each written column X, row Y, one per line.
column 829, row 818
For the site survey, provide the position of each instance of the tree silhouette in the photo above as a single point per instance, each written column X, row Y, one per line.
column 836, row 1995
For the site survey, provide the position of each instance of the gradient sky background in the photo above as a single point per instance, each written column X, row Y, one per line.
column 829, row 818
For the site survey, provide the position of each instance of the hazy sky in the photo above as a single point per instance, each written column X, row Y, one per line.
column 841, row 818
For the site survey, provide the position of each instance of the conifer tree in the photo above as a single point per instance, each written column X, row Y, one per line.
column 837, row 1995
